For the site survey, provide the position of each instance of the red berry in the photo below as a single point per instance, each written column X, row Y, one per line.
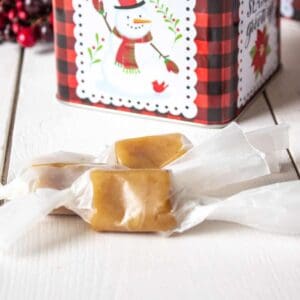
column 26, row 21
column 46, row 32
column 16, row 27
column 33, row 7
column 26, row 37
column 22, row 15
column 19, row 4
column 12, row 15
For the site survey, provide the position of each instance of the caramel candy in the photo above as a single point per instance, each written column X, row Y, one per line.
column 150, row 151
column 132, row 200
column 57, row 176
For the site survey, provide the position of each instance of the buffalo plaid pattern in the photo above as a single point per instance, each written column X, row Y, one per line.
column 217, row 24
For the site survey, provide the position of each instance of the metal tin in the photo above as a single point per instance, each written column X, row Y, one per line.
column 196, row 61
column 290, row 9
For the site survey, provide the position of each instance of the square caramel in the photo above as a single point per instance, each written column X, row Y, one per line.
column 150, row 151
column 131, row 200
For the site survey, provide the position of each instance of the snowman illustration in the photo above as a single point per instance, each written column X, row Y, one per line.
column 133, row 62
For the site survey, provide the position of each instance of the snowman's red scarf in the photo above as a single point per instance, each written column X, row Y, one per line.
column 126, row 52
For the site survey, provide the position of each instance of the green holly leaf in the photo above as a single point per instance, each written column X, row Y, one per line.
column 90, row 53
column 96, row 61
column 97, row 38
column 168, row 17
column 257, row 74
column 172, row 29
column 178, row 37
column 253, row 52
column 99, row 48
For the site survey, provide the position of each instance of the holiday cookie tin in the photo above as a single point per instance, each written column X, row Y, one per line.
column 290, row 9
column 198, row 61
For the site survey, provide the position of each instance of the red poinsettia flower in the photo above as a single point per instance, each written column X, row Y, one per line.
column 260, row 51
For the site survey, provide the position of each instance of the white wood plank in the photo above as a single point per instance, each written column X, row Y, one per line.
column 62, row 259
column 9, row 58
column 284, row 91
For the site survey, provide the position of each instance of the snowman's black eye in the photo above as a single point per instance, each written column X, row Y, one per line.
column 140, row 16
column 127, row 17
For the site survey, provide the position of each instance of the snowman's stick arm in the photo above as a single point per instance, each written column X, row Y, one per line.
column 104, row 15
column 158, row 51
column 170, row 65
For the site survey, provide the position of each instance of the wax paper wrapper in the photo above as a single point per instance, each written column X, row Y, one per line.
column 149, row 151
column 115, row 198
column 231, row 151
column 274, row 208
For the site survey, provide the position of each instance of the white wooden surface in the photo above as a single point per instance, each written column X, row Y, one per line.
column 9, row 58
column 62, row 259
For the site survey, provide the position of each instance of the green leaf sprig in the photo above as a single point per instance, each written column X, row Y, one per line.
column 171, row 21
column 93, row 51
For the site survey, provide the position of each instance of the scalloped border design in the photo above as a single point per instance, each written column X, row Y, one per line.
column 187, row 108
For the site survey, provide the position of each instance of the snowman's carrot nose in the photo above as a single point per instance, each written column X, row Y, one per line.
column 141, row 21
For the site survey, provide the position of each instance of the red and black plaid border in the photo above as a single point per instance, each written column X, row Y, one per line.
column 65, row 53
column 217, row 24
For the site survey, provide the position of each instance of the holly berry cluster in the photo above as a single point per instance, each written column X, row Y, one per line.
column 26, row 21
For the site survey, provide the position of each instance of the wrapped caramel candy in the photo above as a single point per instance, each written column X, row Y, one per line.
column 54, row 171
column 151, row 151
column 173, row 199
column 57, row 176
column 131, row 200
